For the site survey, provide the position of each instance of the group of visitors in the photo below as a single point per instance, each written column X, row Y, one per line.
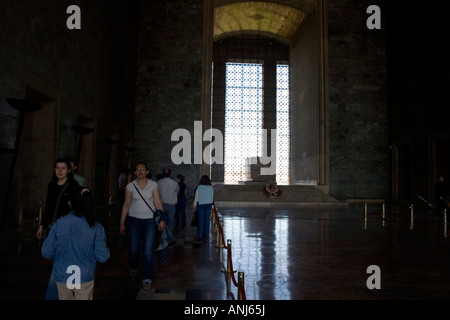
column 151, row 210
column 159, row 206
column 74, row 239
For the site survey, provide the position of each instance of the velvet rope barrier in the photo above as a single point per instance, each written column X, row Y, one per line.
column 240, row 282
column 230, row 261
column 219, row 227
column 411, row 213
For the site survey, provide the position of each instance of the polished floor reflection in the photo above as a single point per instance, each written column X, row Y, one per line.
column 289, row 253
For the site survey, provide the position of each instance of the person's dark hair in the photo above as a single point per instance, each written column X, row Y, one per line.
column 69, row 167
column 205, row 180
column 82, row 202
column 166, row 172
column 180, row 177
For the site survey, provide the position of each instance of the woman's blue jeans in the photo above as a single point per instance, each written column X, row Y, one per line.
column 204, row 213
column 141, row 237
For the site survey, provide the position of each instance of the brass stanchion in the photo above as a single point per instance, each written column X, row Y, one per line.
column 20, row 214
column 20, row 217
column 240, row 285
column 445, row 223
column 227, row 270
column 213, row 216
column 220, row 240
column 216, row 225
column 411, row 224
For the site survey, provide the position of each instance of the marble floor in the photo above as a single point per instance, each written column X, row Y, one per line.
column 284, row 253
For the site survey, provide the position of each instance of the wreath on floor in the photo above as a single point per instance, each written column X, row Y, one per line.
column 272, row 189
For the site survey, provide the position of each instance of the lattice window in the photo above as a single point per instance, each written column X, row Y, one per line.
column 283, row 136
column 244, row 119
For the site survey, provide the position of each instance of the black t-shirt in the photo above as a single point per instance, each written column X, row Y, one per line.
column 53, row 192
column 181, row 192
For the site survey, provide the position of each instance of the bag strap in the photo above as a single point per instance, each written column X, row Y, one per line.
column 143, row 198
column 57, row 202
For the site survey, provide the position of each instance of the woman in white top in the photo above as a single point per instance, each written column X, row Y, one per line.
column 140, row 222
column 203, row 202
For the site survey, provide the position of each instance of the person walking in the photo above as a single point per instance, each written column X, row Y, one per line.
column 180, row 208
column 56, row 205
column 168, row 189
column 76, row 243
column 203, row 202
column 137, row 221
column 81, row 180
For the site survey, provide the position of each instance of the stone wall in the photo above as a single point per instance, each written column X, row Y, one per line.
column 91, row 71
column 358, row 131
column 168, row 82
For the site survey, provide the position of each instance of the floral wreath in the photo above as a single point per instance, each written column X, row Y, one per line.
column 272, row 189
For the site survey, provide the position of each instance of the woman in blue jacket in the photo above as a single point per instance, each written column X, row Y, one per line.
column 76, row 243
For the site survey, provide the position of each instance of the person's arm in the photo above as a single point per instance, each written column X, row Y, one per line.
column 125, row 209
column 45, row 219
column 158, row 206
column 101, row 250
column 194, row 202
column 48, row 248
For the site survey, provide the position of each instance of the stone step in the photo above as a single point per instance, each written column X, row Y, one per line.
column 254, row 195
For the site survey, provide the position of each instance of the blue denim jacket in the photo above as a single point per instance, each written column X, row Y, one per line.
column 71, row 242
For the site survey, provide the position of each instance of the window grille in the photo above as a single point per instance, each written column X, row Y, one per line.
column 250, row 92
column 243, row 118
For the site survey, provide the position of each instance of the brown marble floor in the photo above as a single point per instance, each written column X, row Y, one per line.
column 286, row 253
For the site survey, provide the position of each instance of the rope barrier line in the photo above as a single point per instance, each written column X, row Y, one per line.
column 388, row 213
column 404, row 214
column 241, row 288
column 219, row 227
column 221, row 244
column 230, row 260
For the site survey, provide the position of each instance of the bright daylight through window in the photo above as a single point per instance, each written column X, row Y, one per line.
column 244, row 119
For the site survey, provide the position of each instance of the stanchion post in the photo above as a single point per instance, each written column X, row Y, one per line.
column 365, row 208
column 20, row 214
column 445, row 223
column 216, row 225
column 229, row 257
column 228, row 269
column 411, row 225
column 217, row 236
column 20, row 217
column 220, row 240
column 240, row 284
column 383, row 209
